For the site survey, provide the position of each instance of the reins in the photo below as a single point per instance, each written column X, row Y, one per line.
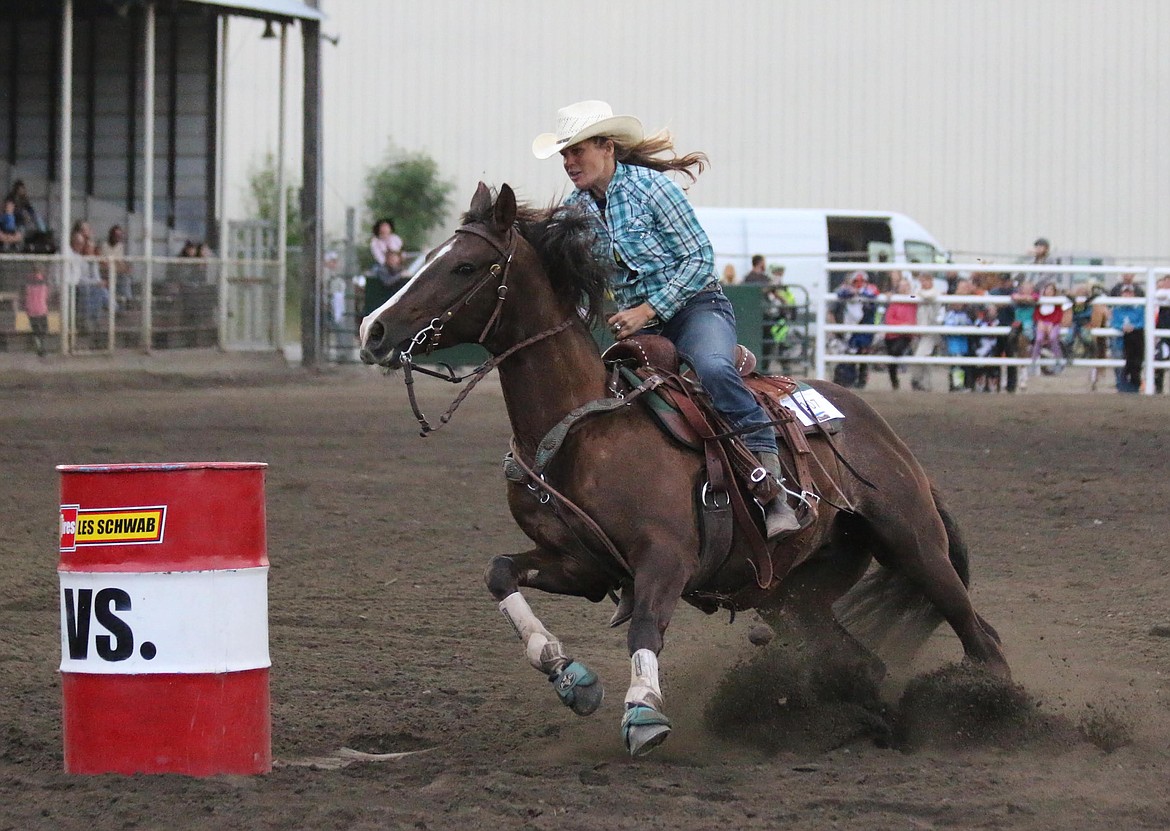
column 536, row 481
column 476, row 377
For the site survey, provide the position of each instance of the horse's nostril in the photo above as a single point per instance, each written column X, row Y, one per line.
column 372, row 345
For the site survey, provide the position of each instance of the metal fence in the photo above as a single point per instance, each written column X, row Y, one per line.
column 98, row 304
column 1147, row 279
column 807, row 346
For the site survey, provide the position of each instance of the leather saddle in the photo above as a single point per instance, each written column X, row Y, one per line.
column 734, row 478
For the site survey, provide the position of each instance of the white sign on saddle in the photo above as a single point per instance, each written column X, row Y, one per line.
column 808, row 404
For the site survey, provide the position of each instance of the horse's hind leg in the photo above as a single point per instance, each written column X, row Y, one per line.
column 802, row 609
column 578, row 686
column 918, row 550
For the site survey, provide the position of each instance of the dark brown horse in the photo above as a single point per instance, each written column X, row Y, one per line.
column 527, row 285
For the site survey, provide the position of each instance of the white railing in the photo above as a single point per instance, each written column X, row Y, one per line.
column 1146, row 278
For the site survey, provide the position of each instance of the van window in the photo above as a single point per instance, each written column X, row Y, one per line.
column 850, row 236
column 856, row 239
column 923, row 252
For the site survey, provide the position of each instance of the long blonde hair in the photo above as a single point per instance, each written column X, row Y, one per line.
column 649, row 151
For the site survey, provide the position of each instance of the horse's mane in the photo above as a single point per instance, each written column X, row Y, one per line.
column 563, row 237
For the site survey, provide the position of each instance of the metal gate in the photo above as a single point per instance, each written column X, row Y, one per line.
column 251, row 287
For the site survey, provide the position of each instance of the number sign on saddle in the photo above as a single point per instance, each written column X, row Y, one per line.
column 612, row 510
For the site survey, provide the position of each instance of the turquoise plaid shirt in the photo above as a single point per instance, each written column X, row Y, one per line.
column 659, row 252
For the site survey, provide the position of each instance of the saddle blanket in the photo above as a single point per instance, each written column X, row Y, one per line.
column 808, row 404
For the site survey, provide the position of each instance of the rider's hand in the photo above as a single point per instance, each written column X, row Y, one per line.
column 629, row 322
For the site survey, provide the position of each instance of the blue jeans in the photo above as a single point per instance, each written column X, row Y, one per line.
column 703, row 331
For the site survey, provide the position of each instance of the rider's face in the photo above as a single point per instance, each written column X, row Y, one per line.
column 590, row 165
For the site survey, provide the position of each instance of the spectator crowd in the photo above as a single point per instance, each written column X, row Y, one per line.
column 96, row 272
column 1047, row 325
column 1049, row 321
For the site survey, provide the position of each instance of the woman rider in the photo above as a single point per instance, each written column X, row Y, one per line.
column 663, row 264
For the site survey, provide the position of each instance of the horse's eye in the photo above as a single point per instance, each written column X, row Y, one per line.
column 465, row 268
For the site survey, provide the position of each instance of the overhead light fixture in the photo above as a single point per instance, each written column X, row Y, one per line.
column 269, row 34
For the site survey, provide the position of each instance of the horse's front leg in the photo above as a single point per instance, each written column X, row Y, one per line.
column 578, row 687
column 656, row 593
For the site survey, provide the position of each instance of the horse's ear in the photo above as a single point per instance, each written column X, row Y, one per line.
column 504, row 212
column 481, row 203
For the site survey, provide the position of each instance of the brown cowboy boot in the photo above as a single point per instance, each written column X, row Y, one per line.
column 779, row 518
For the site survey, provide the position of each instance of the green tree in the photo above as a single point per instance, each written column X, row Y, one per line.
column 407, row 188
column 262, row 189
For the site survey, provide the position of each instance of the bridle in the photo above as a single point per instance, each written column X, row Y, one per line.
column 428, row 337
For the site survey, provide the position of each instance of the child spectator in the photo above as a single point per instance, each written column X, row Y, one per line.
column 1131, row 320
column 1080, row 313
column 900, row 313
column 1099, row 317
column 83, row 227
column 958, row 346
column 113, row 252
column 1024, row 308
column 983, row 346
column 385, row 279
column 1047, row 317
column 929, row 312
column 857, row 305
column 1007, row 346
column 11, row 237
column 36, row 306
column 1127, row 280
column 386, row 246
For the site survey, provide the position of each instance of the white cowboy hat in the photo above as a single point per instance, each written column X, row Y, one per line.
column 583, row 120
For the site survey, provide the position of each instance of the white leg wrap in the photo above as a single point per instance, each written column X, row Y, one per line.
column 644, row 687
column 543, row 651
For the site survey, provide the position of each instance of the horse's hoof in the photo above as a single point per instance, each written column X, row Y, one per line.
column 644, row 728
column 579, row 688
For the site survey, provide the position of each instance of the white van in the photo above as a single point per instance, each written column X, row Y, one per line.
column 805, row 241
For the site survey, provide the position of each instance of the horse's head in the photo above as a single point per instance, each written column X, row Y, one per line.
column 454, row 297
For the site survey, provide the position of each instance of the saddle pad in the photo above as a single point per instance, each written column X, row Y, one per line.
column 669, row 418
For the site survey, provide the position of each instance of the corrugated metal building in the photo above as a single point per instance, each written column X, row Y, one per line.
column 989, row 121
column 107, row 122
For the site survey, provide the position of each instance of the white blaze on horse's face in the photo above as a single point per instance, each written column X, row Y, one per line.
column 368, row 320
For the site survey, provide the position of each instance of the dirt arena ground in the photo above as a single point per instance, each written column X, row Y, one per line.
column 384, row 639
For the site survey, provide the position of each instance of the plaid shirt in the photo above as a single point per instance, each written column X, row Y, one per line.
column 660, row 253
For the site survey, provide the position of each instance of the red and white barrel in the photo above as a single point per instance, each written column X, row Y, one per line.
column 164, row 619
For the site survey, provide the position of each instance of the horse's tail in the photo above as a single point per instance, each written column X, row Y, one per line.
column 889, row 614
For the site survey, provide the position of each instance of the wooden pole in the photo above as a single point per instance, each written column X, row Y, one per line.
column 311, row 196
